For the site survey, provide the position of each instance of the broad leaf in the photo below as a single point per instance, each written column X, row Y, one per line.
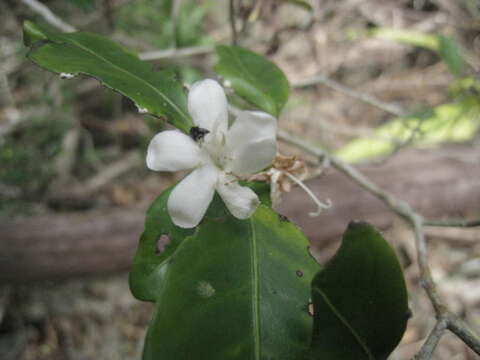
column 360, row 300
column 230, row 289
column 253, row 77
column 157, row 93
column 454, row 122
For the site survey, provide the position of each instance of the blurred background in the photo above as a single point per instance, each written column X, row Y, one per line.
column 389, row 85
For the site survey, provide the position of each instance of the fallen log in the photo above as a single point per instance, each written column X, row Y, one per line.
column 56, row 246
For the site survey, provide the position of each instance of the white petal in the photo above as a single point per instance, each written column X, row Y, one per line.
column 241, row 201
column 172, row 151
column 251, row 142
column 207, row 104
column 189, row 200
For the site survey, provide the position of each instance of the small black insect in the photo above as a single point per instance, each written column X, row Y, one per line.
column 283, row 218
column 198, row 133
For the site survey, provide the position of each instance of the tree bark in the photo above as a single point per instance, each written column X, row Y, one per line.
column 56, row 246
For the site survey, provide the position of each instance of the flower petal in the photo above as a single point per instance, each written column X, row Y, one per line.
column 172, row 151
column 251, row 142
column 189, row 200
column 241, row 201
column 208, row 106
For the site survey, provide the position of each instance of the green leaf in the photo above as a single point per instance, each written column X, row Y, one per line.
column 446, row 47
column 451, row 54
column 454, row 122
column 301, row 3
column 157, row 93
column 254, row 78
column 229, row 289
column 360, row 299
column 32, row 33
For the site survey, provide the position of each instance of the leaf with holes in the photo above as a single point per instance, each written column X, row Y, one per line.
column 229, row 289
column 359, row 299
column 157, row 93
column 253, row 77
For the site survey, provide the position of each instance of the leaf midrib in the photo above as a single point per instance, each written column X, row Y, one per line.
column 344, row 322
column 129, row 73
column 255, row 292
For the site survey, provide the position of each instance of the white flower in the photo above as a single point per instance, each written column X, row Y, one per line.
column 218, row 158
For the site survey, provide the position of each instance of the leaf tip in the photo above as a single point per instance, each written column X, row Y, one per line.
column 32, row 33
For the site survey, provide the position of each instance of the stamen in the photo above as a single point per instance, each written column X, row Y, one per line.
column 305, row 188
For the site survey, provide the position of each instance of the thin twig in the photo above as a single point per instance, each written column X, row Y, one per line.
column 324, row 80
column 112, row 171
column 48, row 15
column 402, row 209
column 233, row 26
column 175, row 53
column 176, row 7
column 431, row 343
column 6, row 97
column 452, row 223
column 459, row 328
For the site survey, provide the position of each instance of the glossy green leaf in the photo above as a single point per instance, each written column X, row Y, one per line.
column 446, row 47
column 360, row 299
column 454, row 122
column 157, row 93
column 253, row 77
column 229, row 289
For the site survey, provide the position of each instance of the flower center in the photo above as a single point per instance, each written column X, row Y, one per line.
column 214, row 145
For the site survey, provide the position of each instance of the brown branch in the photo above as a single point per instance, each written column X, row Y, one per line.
column 231, row 17
column 51, row 245
column 431, row 343
column 452, row 223
column 175, row 53
column 459, row 328
column 324, row 80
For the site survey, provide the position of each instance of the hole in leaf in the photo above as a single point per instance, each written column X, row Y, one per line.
column 162, row 243
column 310, row 309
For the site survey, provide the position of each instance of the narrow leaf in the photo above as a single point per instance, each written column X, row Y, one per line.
column 157, row 93
column 446, row 47
column 360, row 300
column 254, row 78
column 301, row 3
column 454, row 122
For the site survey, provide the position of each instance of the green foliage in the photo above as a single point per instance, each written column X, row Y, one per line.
column 301, row 3
column 454, row 122
column 158, row 93
column 446, row 47
column 86, row 5
column 360, row 299
column 231, row 289
column 254, row 78
column 26, row 156
column 153, row 23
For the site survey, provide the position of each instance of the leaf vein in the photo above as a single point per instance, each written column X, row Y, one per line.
column 344, row 322
column 166, row 98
